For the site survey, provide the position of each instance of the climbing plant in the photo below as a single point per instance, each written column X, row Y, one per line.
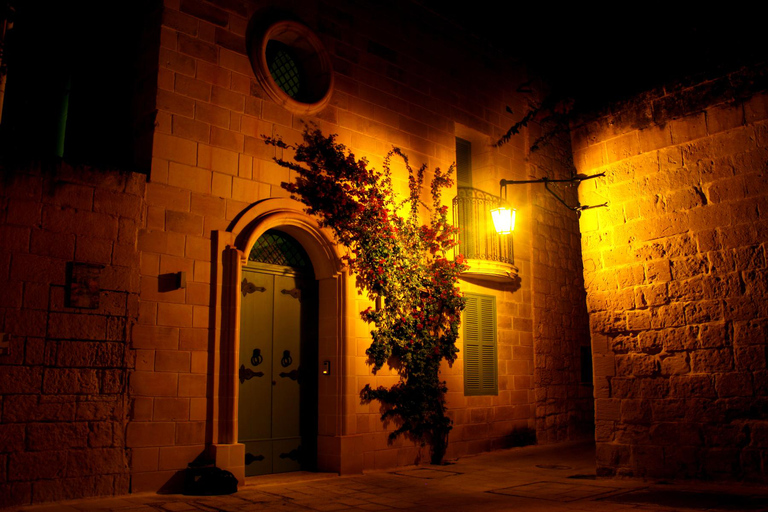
column 400, row 263
column 554, row 113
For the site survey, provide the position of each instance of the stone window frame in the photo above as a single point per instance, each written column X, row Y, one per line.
column 310, row 55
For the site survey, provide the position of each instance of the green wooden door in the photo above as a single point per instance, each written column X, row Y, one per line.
column 278, row 398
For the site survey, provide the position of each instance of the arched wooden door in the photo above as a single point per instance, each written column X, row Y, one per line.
column 277, row 408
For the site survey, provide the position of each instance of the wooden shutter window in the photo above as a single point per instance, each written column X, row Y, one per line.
column 480, row 360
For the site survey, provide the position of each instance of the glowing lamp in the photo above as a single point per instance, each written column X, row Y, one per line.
column 503, row 220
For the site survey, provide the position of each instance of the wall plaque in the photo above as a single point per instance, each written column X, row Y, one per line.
column 83, row 285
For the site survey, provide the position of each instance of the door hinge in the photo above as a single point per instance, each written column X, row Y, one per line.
column 295, row 293
column 247, row 374
column 247, row 287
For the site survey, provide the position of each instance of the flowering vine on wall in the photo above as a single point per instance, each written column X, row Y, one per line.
column 401, row 264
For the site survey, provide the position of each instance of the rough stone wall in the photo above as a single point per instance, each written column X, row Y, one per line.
column 63, row 379
column 564, row 405
column 676, row 279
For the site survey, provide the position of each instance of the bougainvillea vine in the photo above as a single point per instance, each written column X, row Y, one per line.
column 401, row 264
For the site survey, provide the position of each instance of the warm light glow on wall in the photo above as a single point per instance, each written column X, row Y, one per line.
column 503, row 220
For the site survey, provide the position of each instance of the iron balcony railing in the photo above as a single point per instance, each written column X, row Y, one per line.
column 477, row 237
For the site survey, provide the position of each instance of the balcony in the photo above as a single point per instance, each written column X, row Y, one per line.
column 490, row 256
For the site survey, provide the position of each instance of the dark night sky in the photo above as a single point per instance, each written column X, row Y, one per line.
column 597, row 55
column 593, row 55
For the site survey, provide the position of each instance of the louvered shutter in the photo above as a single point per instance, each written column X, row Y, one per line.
column 463, row 163
column 480, row 361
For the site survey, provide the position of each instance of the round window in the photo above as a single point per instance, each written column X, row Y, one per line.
column 293, row 67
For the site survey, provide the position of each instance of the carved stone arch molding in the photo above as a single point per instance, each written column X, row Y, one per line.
column 336, row 451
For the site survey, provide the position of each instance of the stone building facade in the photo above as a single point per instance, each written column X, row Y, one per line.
column 675, row 274
column 128, row 283
column 124, row 303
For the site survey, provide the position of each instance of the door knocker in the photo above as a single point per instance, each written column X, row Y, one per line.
column 286, row 360
column 256, row 358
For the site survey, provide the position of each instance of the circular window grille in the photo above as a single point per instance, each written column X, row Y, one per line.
column 284, row 68
column 293, row 67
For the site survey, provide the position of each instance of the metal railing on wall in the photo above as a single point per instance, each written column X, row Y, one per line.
column 477, row 237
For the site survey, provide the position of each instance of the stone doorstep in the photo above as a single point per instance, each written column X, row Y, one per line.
column 255, row 482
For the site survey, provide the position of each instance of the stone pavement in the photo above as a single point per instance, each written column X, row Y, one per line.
column 537, row 478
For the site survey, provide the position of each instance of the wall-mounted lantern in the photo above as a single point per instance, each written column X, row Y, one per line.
column 504, row 218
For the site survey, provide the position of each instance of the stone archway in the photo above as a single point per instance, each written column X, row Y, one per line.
column 230, row 252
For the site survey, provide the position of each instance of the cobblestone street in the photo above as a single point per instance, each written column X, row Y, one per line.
column 539, row 478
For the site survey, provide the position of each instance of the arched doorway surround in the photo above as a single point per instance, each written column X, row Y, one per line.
column 337, row 452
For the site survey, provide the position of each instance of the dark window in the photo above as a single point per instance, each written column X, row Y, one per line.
column 284, row 68
column 463, row 163
column 70, row 81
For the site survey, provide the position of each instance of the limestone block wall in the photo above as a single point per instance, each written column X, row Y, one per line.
column 483, row 423
column 564, row 401
column 675, row 272
column 63, row 373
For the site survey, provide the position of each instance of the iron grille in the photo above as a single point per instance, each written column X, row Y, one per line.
column 477, row 237
column 283, row 67
column 277, row 248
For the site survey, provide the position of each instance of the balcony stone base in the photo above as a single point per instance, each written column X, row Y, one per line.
column 490, row 271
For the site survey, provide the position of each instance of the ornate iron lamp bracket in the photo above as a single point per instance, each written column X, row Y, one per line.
column 546, row 181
